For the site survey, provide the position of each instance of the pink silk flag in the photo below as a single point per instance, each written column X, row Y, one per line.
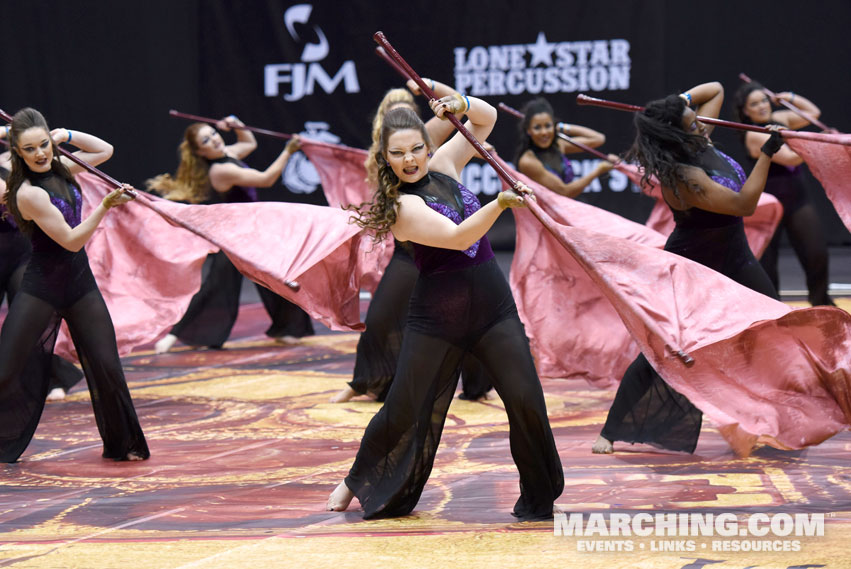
column 760, row 371
column 146, row 269
column 759, row 227
column 831, row 165
column 343, row 175
column 148, row 266
column 574, row 331
column 272, row 243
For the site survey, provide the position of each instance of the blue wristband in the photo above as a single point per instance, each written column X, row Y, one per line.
column 468, row 103
column 70, row 136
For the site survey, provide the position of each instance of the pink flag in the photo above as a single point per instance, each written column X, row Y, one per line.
column 343, row 174
column 760, row 371
column 573, row 329
column 146, row 269
column 274, row 242
column 831, row 165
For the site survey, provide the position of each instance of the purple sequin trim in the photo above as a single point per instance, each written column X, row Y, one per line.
column 71, row 213
column 471, row 206
column 568, row 174
column 735, row 185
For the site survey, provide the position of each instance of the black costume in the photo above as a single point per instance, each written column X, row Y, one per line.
column 646, row 409
column 803, row 227
column 461, row 304
column 59, row 283
column 15, row 250
column 212, row 312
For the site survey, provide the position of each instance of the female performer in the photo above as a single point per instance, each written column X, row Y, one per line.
column 378, row 346
column 461, row 303
column 45, row 201
column 15, row 251
column 205, row 163
column 708, row 194
column 543, row 155
column 786, row 183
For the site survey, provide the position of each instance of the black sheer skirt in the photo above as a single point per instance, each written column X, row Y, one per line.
column 646, row 409
column 52, row 290
column 212, row 312
column 379, row 345
column 15, row 250
column 451, row 314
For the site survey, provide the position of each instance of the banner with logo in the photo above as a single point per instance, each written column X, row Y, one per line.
column 311, row 68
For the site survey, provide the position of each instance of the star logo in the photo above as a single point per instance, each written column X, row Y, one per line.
column 541, row 50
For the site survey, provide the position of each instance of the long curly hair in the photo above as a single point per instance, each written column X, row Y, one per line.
column 23, row 120
column 529, row 110
column 393, row 98
column 191, row 184
column 661, row 146
column 380, row 214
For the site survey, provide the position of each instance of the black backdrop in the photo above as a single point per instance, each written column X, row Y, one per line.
column 116, row 68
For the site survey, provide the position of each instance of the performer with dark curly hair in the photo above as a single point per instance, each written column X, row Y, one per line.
column 708, row 194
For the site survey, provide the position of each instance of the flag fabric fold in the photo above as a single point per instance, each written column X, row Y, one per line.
column 831, row 165
column 147, row 256
column 760, row 371
column 343, row 176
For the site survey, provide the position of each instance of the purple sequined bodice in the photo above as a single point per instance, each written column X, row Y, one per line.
column 723, row 170
column 452, row 200
column 557, row 163
column 67, row 199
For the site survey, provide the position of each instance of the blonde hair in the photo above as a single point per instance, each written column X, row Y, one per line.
column 191, row 184
column 392, row 98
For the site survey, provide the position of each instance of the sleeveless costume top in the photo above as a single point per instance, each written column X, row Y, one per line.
column 54, row 274
column 556, row 162
column 237, row 194
column 450, row 199
column 785, row 183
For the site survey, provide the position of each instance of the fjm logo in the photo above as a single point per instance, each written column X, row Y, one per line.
column 303, row 77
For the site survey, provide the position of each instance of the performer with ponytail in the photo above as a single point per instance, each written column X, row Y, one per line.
column 378, row 347
column 461, row 303
column 786, row 183
column 45, row 201
column 542, row 155
column 206, row 164
column 708, row 194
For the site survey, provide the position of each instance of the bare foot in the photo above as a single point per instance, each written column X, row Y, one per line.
column 602, row 446
column 558, row 509
column 340, row 498
column 133, row 456
column 165, row 343
column 344, row 395
column 287, row 340
column 56, row 394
